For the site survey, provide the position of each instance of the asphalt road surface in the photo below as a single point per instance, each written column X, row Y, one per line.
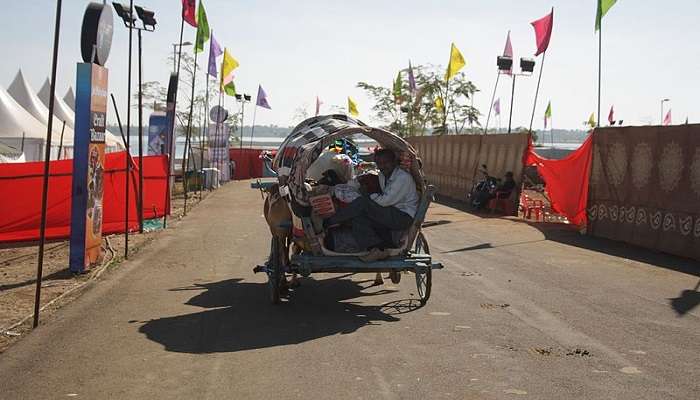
column 520, row 311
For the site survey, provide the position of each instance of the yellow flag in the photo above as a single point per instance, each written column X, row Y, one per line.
column 456, row 62
column 439, row 104
column 352, row 108
column 591, row 120
column 227, row 67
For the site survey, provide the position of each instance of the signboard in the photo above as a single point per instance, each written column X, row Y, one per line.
column 157, row 133
column 88, row 166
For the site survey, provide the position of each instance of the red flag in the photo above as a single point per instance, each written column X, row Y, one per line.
column 189, row 12
column 611, row 116
column 543, row 32
column 667, row 119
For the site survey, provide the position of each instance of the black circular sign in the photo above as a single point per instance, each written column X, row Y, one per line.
column 218, row 114
column 96, row 37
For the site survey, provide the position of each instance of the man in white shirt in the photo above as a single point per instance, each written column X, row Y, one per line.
column 374, row 216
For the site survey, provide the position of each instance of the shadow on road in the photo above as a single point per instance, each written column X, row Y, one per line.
column 686, row 301
column 238, row 316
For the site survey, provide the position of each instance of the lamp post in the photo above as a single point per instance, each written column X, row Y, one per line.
column 527, row 65
column 242, row 98
column 662, row 109
column 175, row 46
column 148, row 20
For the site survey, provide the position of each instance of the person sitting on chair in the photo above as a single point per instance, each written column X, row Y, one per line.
column 374, row 216
column 504, row 190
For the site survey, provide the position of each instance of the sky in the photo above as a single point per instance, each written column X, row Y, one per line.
column 298, row 50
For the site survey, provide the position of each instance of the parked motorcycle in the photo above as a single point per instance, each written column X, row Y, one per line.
column 482, row 190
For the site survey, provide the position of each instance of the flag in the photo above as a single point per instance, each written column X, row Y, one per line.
column 214, row 51
column 603, row 8
column 508, row 52
column 227, row 66
column 543, row 32
column 189, row 12
column 456, row 62
column 667, row 118
column 611, row 115
column 230, row 89
column 261, row 101
column 411, row 79
column 202, row 29
column 352, row 108
column 439, row 104
column 397, row 88
column 547, row 114
column 591, row 120
column 318, row 105
column 497, row 106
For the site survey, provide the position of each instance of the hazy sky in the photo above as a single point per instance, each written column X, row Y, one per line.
column 300, row 49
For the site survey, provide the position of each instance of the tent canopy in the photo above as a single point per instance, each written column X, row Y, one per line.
column 60, row 108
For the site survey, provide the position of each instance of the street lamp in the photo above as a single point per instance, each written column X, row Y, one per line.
column 527, row 65
column 242, row 98
column 149, row 22
column 175, row 46
column 662, row 109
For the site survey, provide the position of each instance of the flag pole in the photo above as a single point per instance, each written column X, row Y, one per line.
column 179, row 52
column 203, row 133
column 128, row 142
column 60, row 143
column 600, row 52
column 185, row 155
column 252, row 130
column 493, row 97
column 537, row 91
column 47, row 158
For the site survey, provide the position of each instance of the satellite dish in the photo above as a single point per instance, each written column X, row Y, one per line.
column 218, row 114
column 96, row 37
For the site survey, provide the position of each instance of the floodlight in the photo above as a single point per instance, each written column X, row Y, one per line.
column 124, row 12
column 527, row 65
column 504, row 63
column 148, row 18
column 246, row 97
column 239, row 97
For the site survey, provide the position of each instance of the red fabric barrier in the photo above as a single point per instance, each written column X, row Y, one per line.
column 567, row 180
column 248, row 163
column 21, row 186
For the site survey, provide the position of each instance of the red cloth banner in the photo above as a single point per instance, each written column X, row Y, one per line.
column 566, row 180
column 21, row 186
column 248, row 163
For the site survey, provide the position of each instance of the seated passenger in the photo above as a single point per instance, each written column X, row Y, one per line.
column 374, row 216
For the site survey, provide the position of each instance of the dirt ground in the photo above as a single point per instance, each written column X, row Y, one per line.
column 18, row 268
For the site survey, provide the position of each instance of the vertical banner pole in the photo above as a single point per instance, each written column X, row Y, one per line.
column 47, row 157
column 128, row 142
column 512, row 97
column 60, row 143
column 185, row 155
column 140, row 192
column 493, row 97
column 252, row 130
column 537, row 92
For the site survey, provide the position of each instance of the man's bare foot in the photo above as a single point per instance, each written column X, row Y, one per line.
column 378, row 280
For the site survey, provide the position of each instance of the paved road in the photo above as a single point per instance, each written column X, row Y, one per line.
column 519, row 312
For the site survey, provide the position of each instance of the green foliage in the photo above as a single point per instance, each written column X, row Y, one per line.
column 410, row 114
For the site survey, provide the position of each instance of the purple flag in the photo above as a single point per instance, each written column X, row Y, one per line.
column 411, row 78
column 214, row 51
column 262, row 99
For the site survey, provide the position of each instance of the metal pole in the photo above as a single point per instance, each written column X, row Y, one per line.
column 128, row 141
column 493, row 97
column 600, row 52
column 47, row 157
column 22, row 144
column 512, row 96
column 140, row 202
column 174, row 57
column 60, row 143
column 179, row 54
column 119, row 120
column 252, row 130
column 185, row 155
column 537, row 91
column 242, row 119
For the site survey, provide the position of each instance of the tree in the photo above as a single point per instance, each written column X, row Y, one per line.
column 409, row 114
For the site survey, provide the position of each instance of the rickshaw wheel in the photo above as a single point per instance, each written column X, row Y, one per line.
column 424, row 276
column 274, row 271
column 395, row 277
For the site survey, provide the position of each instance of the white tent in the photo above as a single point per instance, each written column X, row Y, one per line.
column 69, row 98
column 60, row 109
column 64, row 111
column 21, row 130
column 25, row 96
